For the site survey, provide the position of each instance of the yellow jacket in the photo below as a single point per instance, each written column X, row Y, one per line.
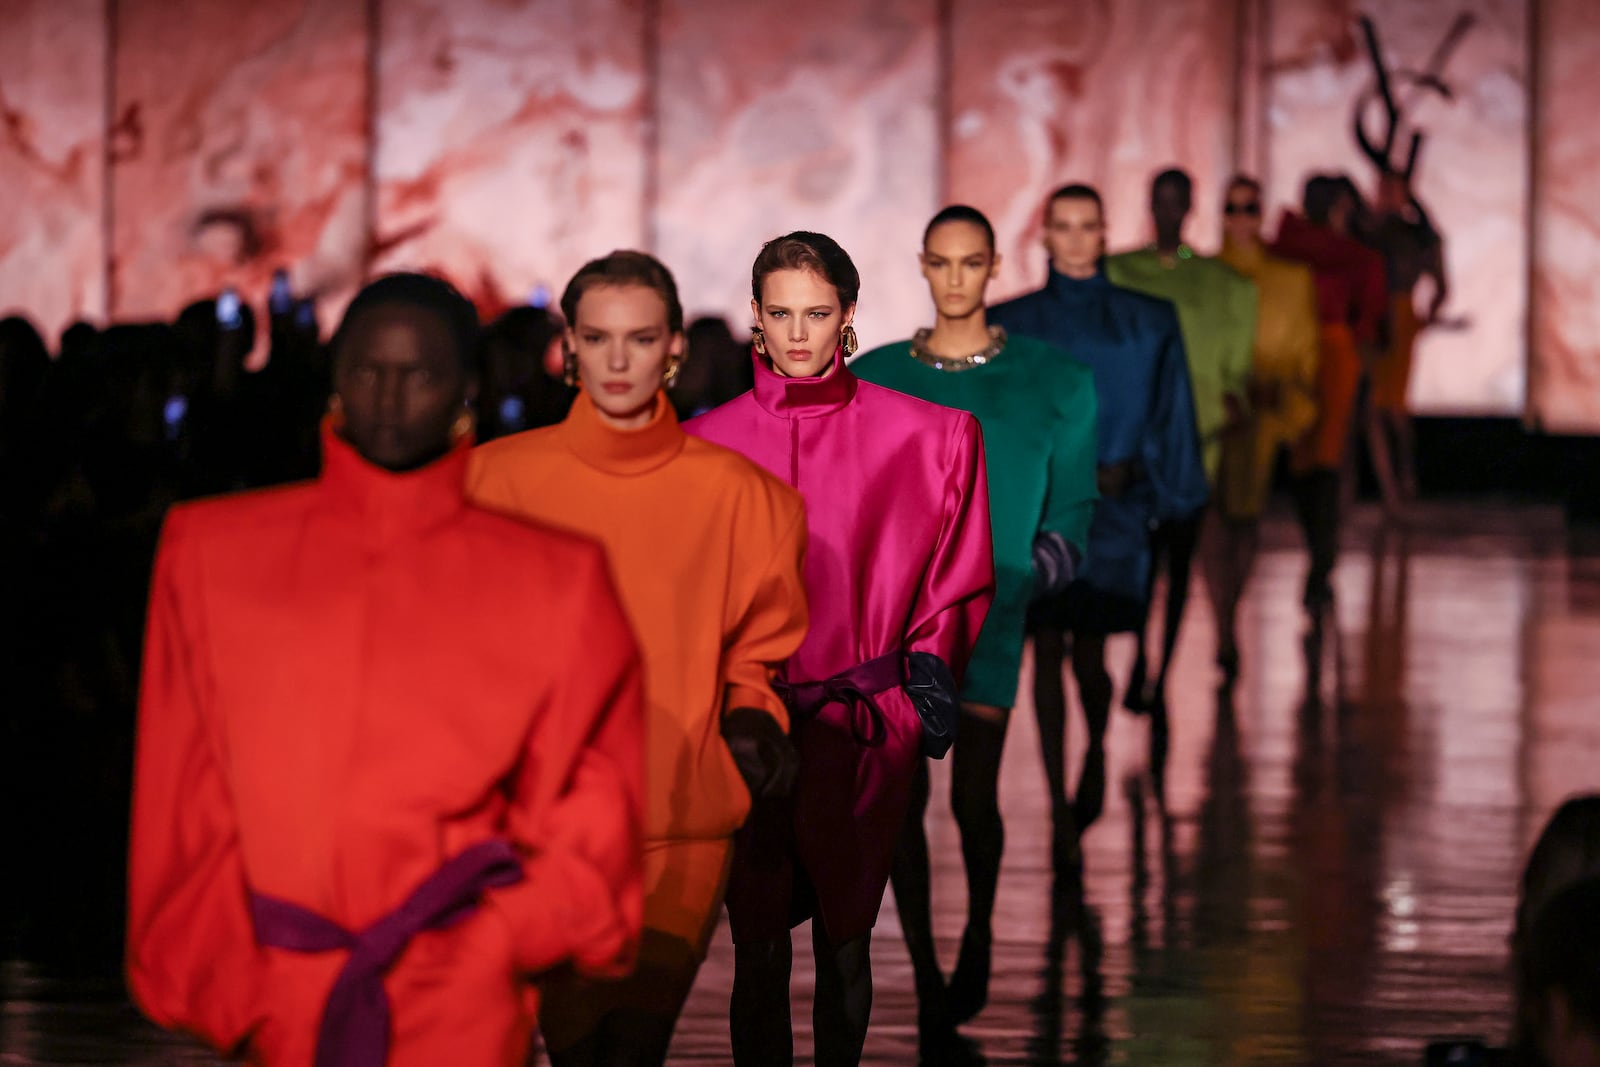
column 1286, row 352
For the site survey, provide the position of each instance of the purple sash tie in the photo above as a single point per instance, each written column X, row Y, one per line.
column 355, row 1020
column 853, row 688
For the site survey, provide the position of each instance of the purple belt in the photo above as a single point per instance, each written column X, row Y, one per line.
column 354, row 1031
column 853, row 688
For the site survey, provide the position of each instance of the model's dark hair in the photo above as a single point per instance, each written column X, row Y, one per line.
column 624, row 267
column 804, row 250
column 1321, row 191
column 1244, row 181
column 961, row 213
column 423, row 292
column 1177, row 178
column 1075, row 191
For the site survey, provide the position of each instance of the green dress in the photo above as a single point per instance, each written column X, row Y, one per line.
column 1217, row 316
column 1036, row 407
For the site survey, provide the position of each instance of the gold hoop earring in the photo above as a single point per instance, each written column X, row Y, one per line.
column 758, row 337
column 465, row 426
column 848, row 341
column 569, row 368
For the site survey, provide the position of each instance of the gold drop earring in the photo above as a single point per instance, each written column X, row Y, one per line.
column 848, row 341
column 674, row 364
column 465, row 425
column 569, row 367
column 758, row 337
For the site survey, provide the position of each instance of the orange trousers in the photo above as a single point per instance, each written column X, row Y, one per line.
column 1338, row 382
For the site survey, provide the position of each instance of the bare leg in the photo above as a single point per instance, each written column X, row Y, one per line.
column 843, row 1003
column 1405, row 452
column 1376, row 423
column 758, row 1013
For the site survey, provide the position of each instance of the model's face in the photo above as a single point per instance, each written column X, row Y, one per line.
column 623, row 343
column 958, row 264
column 800, row 315
column 1169, row 206
column 1241, row 215
column 402, row 385
column 1075, row 235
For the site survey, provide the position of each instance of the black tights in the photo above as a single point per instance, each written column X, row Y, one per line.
column 758, row 1015
column 1172, row 548
column 1316, row 500
column 1050, row 709
column 975, row 799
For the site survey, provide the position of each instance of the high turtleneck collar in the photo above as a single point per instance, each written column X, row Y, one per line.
column 804, row 398
column 394, row 504
column 615, row 451
column 1066, row 287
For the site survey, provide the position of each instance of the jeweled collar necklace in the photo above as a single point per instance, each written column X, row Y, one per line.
column 920, row 353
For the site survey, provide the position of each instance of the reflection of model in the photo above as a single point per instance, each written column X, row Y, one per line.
column 899, row 576
column 1283, row 404
column 1217, row 313
column 1350, row 305
column 1412, row 250
column 1037, row 411
column 1149, row 467
column 389, row 743
column 711, row 583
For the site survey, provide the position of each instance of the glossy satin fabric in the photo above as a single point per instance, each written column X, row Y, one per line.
column 1287, row 361
column 1132, row 344
column 1037, row 411
column 1217, row 314
column 345, row 684
column 899, row 557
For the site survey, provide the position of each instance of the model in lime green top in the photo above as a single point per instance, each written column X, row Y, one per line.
column 1037, row 410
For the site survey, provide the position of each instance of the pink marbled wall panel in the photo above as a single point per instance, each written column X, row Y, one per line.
column 510, row 139
column 825, row 119
column 253, row 112
column 52, row 161
column 1108, row 92
column 1565, row 372
column 1472, row 177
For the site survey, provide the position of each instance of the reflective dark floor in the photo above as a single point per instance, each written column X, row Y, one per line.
column 1324, row 874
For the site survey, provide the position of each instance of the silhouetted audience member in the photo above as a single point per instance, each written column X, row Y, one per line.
column 716, row 369
column 1567, row 852
column 1559, row 980
column 516, row 391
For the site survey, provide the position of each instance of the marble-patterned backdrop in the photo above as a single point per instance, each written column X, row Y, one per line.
column 510, row 139
column 239, row 145
column 1472, row 176
column 192, row 144
column 1564, row 392
column 52, row 160
column 827, row 121
column 1108, row 92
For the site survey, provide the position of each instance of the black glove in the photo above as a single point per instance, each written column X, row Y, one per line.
column 1055, row 564
column 766, row 759
column 932, row 689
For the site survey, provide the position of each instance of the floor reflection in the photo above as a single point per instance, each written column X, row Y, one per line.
column 1316, row 867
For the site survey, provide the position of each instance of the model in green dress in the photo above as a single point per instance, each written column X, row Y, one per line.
column 1036, row 407
column 1217, row 315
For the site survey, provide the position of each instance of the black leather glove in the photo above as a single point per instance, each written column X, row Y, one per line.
column 766, row 759
column 932, row 689
column 1055, row 564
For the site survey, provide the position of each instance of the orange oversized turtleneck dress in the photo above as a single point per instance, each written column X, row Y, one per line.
column 347, row 684
column 706, row 550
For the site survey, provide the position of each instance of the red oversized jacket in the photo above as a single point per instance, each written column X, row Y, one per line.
column 346, row 683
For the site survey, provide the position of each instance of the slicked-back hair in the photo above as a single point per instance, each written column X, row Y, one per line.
column 621, row 268
column 805, row 250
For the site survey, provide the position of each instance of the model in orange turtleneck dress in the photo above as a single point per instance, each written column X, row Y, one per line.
column 705, row 548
